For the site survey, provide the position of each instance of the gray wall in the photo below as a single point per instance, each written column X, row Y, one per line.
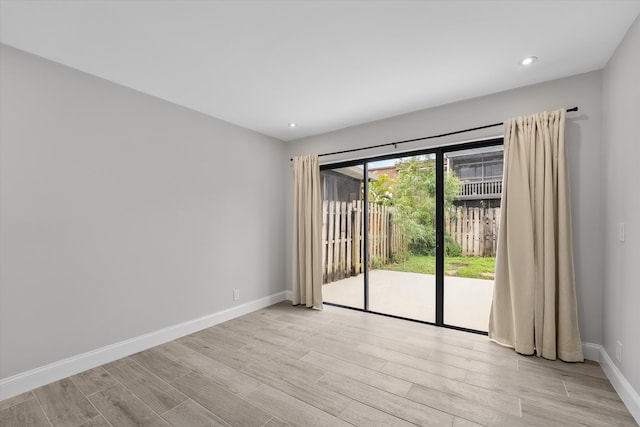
column 584, row 133
column 122, row 214
column 621, row 154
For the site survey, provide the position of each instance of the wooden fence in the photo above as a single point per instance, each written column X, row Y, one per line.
column 343, row 237
column 475, row 230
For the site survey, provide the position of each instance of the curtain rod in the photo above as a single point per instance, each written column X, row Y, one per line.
column 395, row 144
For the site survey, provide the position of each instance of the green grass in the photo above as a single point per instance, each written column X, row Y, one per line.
column 472, row 267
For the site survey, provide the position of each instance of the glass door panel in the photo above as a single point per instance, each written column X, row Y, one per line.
column 473, row 188
column 415, row 236
column 401, row 237
column 343, row 257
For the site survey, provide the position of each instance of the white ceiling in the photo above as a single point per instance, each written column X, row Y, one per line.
column 324, row 65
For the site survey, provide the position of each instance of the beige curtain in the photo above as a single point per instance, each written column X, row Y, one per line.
column 534, row 301
column 307, row 227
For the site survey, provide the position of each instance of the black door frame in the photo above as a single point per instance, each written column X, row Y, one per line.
column 439, row 153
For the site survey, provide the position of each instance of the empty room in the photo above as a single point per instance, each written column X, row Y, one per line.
column 319, row 213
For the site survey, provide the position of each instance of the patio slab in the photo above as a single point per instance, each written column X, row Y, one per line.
column 467, row 302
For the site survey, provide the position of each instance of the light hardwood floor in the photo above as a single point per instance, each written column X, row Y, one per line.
column 287, row 365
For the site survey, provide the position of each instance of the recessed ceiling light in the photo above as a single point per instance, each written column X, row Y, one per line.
column 292, row 125
column 529, row 60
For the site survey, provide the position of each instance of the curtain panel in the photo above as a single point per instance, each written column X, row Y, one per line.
column 307, row 230
column 534, row 307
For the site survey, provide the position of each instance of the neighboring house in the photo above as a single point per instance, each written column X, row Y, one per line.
column 481, row 174
column 344, row 184
column 479, row 170
column 390, row 171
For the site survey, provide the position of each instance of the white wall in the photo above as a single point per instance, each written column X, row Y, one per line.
column 122, row 214
column 584, row 134
column 621, row 153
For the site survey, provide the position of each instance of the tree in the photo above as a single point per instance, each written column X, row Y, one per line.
column 413, row 195
column 381, row 190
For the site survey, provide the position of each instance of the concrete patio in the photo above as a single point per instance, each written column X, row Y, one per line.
column 412, row 295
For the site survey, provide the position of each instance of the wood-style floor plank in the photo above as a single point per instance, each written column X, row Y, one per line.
column 471, row 410
column 587, row 368
column 286, row 367
column 121, row 408
column 226, row 377
column 341, row 349
column 552, row 413
column 291, row 410
column 604, row 398
column 308, row 392
column 7, row 403
column 219, row 350
column 360, row 414
column 560, row 372
column 27, row 413
column 423, row 364
column 160, row 366
column 64, row 404
column 116, row 363
column 222, row 334
column 274, row 422
column 98, row 421
column 267, row 350
column 578, row 410
column 229, row 407
column 153, row 391
column 405, row 409
column 470, row 393
column 291, row 366
column 392, row 384
column 517, row 383
column 93, row 380
column 461, row 422
column 193, row 415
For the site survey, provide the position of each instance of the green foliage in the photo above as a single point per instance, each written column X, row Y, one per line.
column 451, row 247
column 375, row 263
column 413, row 195
column 381, row 191
column 399, row 257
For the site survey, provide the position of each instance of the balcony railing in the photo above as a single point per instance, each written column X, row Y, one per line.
column 480, row 190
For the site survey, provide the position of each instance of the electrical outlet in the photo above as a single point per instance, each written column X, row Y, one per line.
column 236, row 294
column 619, row 352
column 621, row 227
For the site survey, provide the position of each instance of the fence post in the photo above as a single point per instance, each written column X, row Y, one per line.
column 357, row 237
column 336, row 244
column 343, row 239
column 349, row 237
column 330, row 244
column 325, row 241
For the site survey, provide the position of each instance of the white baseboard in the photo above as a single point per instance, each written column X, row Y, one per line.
column 591, row 351
column 25, row 381
column 288, row 295
column 627, row 393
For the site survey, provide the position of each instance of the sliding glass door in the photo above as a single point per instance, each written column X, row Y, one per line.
column 343, row 236
column 414, row 236
column 471, row 222
column 402, row 238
